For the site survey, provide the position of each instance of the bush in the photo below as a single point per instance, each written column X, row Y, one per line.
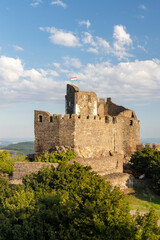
column 70, row 203
column 7, row 162
column 55, row 157
column 148, row 161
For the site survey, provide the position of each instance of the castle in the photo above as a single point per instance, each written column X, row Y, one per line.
column 90, row 127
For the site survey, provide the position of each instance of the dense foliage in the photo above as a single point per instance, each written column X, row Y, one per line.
column 7, row 162
column 67, row 204
column 148, row 161
column 55, row 157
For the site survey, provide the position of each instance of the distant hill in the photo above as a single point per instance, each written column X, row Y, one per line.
column 19, row 148
column 151, row 140
column 7, row 141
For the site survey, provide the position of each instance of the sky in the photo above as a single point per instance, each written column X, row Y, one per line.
column 111, row 46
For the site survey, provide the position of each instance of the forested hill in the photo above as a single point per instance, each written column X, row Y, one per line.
column 20, row 148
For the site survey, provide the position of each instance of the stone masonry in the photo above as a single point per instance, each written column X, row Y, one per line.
column 91, row 128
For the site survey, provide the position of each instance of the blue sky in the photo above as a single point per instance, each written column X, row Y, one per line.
column 112, row 47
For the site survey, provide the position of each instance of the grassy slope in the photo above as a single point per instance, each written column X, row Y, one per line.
column 144, row 199
column 20, row 148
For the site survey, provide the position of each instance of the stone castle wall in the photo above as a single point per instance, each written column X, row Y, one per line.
column 103, row 166
column 21, row 169
column 90, row 128
column 89, row 136
column 51, row 131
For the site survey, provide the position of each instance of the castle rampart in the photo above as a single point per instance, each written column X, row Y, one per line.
column 89, row 136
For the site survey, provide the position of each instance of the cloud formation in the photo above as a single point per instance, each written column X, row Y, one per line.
column 142, row 6
column 128, row 80
column 59, row 3
column 62, row 37
column 72, row 62
column 36, row 3
column 83, row 22
column 122, row 42
column 18, row 48
column 19, row 84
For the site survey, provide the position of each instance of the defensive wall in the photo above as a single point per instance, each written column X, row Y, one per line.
column 103, row 166
column 153, row 146
column 21, row 169
column 89, row 136
column 90, row 127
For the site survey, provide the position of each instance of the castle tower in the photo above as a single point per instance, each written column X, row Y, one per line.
column 80, row 102
column 90, row 128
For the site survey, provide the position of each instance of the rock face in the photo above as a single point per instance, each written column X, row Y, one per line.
column 91, row 128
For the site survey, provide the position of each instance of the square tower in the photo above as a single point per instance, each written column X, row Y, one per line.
column 80, row 102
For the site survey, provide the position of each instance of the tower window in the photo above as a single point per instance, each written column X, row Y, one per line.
column 51, row 119
column 106, row 119
column 114, row 120
column 132, row 115
column 40, row 118
column 131, row 123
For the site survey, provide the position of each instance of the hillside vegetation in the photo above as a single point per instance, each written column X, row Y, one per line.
column 22, row 148
column 67, row 204
column 147, row 162
column 7, row 162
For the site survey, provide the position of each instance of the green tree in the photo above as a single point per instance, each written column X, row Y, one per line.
column 148, row 161
column 68, row 203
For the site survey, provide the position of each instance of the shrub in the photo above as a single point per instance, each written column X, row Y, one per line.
column 55, row 157
column 7, row 162
column 148, row 161
column 70, row 203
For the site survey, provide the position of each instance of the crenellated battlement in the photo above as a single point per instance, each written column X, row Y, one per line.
column 45, row 117
column 152, row 146
column 41, row 116
column 90, row 127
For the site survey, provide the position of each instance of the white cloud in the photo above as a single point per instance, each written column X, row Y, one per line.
column 93, row 50
column 18, row 48
column 142, row 48
column 88, row 39
column 20, row 84
column 36, row 3
column 128, row 80
column 62, row 37
column 142, row 6
column 57, row 65
column 121, row 36
column 59, row 3
column 122, row 41
column 83, row 22
column 72, row 62
column 103, row 45
column 120, row 47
